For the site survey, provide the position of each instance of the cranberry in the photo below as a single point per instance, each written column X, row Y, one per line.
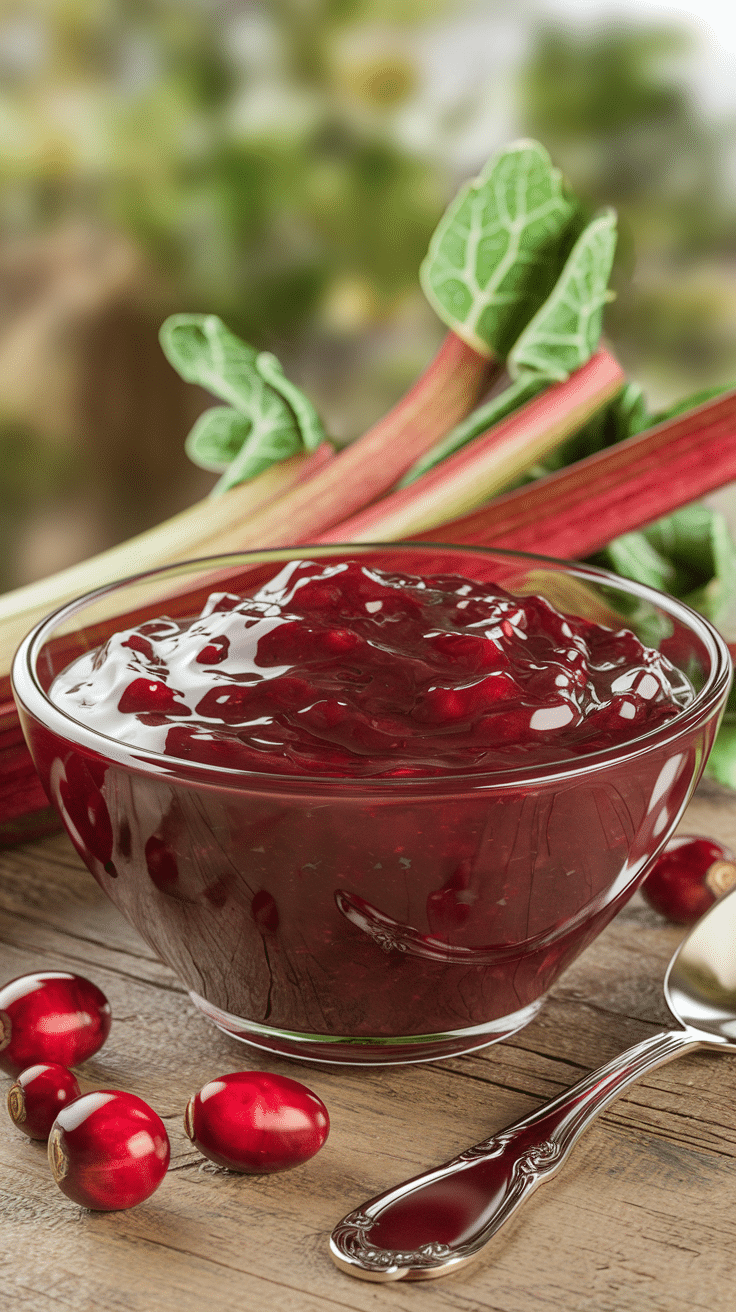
column 255, row 1122
column 51, row 1017
column 143, row 695
column 37, row 1097
column 108, row 1150
column 688, row 877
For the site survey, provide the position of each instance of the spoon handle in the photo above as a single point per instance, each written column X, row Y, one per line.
column 438, row 1221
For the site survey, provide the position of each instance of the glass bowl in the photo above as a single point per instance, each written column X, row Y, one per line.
column 370, row 920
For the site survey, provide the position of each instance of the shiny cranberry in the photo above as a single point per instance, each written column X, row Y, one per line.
column 255, row 1122
column 51, row 1017
column 108, row 1150
column 143, row 695
column 37, row 1097
column 688, row 877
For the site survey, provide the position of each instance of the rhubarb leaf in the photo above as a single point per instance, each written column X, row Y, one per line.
column 266, row 418
column 242, row 445
column 217, row 437
column 560, row 338
column 721, row 763
column 204, row 351
column 566, row 329
column 310, row 424
column 634, row 557
column 497, row 251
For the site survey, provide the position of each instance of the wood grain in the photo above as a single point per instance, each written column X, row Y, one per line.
column 640, row 1220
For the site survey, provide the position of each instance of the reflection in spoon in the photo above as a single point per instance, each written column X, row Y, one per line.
column 436, row 1222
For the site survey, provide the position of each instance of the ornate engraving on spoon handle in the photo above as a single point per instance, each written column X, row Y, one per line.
column 438, row 1221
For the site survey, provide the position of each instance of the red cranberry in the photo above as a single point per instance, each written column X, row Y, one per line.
column 51, row 1017
column 108, row 1150
column 255, row 1122
column 688, row 877
column 37, row 1097
column 143, row 695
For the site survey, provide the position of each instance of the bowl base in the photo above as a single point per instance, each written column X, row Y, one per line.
column 367, row 1051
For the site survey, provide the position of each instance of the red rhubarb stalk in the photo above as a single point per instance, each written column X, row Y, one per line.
column 489, row 462
column 574, row 512
column 446, row 392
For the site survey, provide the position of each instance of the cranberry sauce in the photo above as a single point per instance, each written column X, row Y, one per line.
column 345, row 670
column 371, row 883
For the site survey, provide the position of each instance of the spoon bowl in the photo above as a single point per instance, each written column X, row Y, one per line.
column 700, row 984
column 437, row 1222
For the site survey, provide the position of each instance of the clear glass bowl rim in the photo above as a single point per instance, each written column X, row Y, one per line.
column 31, row 695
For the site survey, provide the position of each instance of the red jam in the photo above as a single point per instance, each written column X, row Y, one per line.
column 345, row 670
column 369, row 885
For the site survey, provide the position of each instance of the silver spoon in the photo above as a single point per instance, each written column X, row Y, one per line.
column 437, row 1222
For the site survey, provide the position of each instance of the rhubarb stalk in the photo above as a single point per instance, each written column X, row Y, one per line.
column 365, row 470
column 488, row 463
column 576, row 511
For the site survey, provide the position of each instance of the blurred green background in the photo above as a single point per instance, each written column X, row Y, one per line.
column 283, row 163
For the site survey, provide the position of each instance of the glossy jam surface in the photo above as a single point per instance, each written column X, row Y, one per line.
column 346, row 670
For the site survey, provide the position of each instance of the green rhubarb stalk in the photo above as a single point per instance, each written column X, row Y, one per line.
column 578, row 510
column 502, row 438
column 496, row 255
column 365, row 470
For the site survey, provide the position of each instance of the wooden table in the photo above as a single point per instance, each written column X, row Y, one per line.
column 642, row 1217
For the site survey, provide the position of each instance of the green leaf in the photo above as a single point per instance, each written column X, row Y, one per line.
column 566, row 329
column 690, row 402
column 699, row 542
column 242, row 446
column 634, row 557
column 558, row 339
column 310, row 424
column 217, row 437
column 204, row 351
column 267, row 418
column 497, row 251
column 689, row 554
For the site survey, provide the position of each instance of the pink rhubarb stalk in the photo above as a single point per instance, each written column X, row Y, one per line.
column 574, row 512
column 491, row 461
column 447, row 391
